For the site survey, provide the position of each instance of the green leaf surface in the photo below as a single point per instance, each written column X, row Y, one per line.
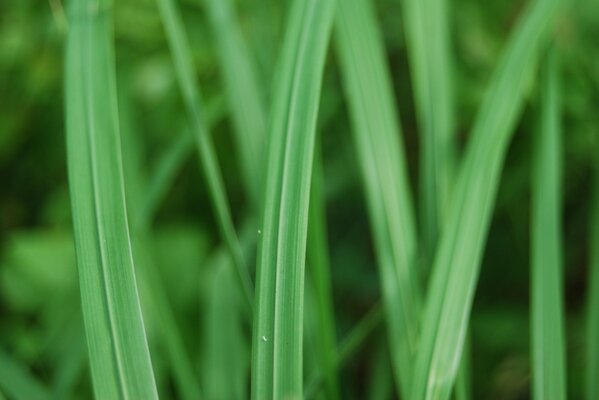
column 428, row 43
column 457, row 261
column 377, row 136
column 245, row 98
column 277, row 331
column 548, row 337
column 118, row 350
column 182, row 60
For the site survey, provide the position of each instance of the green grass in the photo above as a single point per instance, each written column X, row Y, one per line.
column 277, row 330
column 190, row 92
column 548, row 336
column 117, row 345
column 458, row 258
column 426, row 25
column 314, row 121
column 377, row 137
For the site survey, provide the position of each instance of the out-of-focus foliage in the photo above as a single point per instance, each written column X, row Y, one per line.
column 41, row 327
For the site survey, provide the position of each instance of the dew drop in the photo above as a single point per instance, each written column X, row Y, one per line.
column 259, row 232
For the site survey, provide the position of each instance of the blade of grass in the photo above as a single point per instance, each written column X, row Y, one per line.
column 592, row 367
column 377, row 137
column 458, row 258
column 380, row 385
column 245, row 99
column 170, row 164
column 118, row 350
column 319, row 270
column 18, row 383
column 548, row 342
column 182, row 60
column 428, row 44
column 463, row 382
column 225, row 357
column 153, row 294
column 248, row 111
column 277, row 333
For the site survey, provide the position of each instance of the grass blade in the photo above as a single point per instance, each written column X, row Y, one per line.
column 277, row 336
column 319, row 270
column 154, row 298
column 191, row 96
column 548, row 342
column 170, row 164
column 377, row 137
column 427, row 34
column 458, row 258
column 245, row 99
column 225, row 357
column 118, row 350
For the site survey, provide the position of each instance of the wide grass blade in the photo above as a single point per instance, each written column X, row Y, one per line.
column 244, row 95
column 277, row 336
column 182, row 60
column 17, row 382
column 118, row 350
column 457, row 261
column 548, row 343
column 377, row 136
column 428, row 43
column 592, row 367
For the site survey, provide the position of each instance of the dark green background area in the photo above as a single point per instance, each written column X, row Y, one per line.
column 40, row 321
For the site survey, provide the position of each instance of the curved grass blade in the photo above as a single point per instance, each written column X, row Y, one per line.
column 548, row 342
column 118, row 350
column 593, row 300
column 154, row 297
column 277, row 336
column 458, row 258
column 427, row 33
column 182, row 60
column 243, row 94
column 377, row 137
column 17, row 382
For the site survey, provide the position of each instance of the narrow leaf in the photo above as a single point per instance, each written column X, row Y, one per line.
column 458, row 258
column 182, row 60
column 243, row 93
column 548, row 346
column 277, row 336
column 427, row 33
column 377, row 137
column 118, row 350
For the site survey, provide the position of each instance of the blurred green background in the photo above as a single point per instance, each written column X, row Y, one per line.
column 40, row 319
